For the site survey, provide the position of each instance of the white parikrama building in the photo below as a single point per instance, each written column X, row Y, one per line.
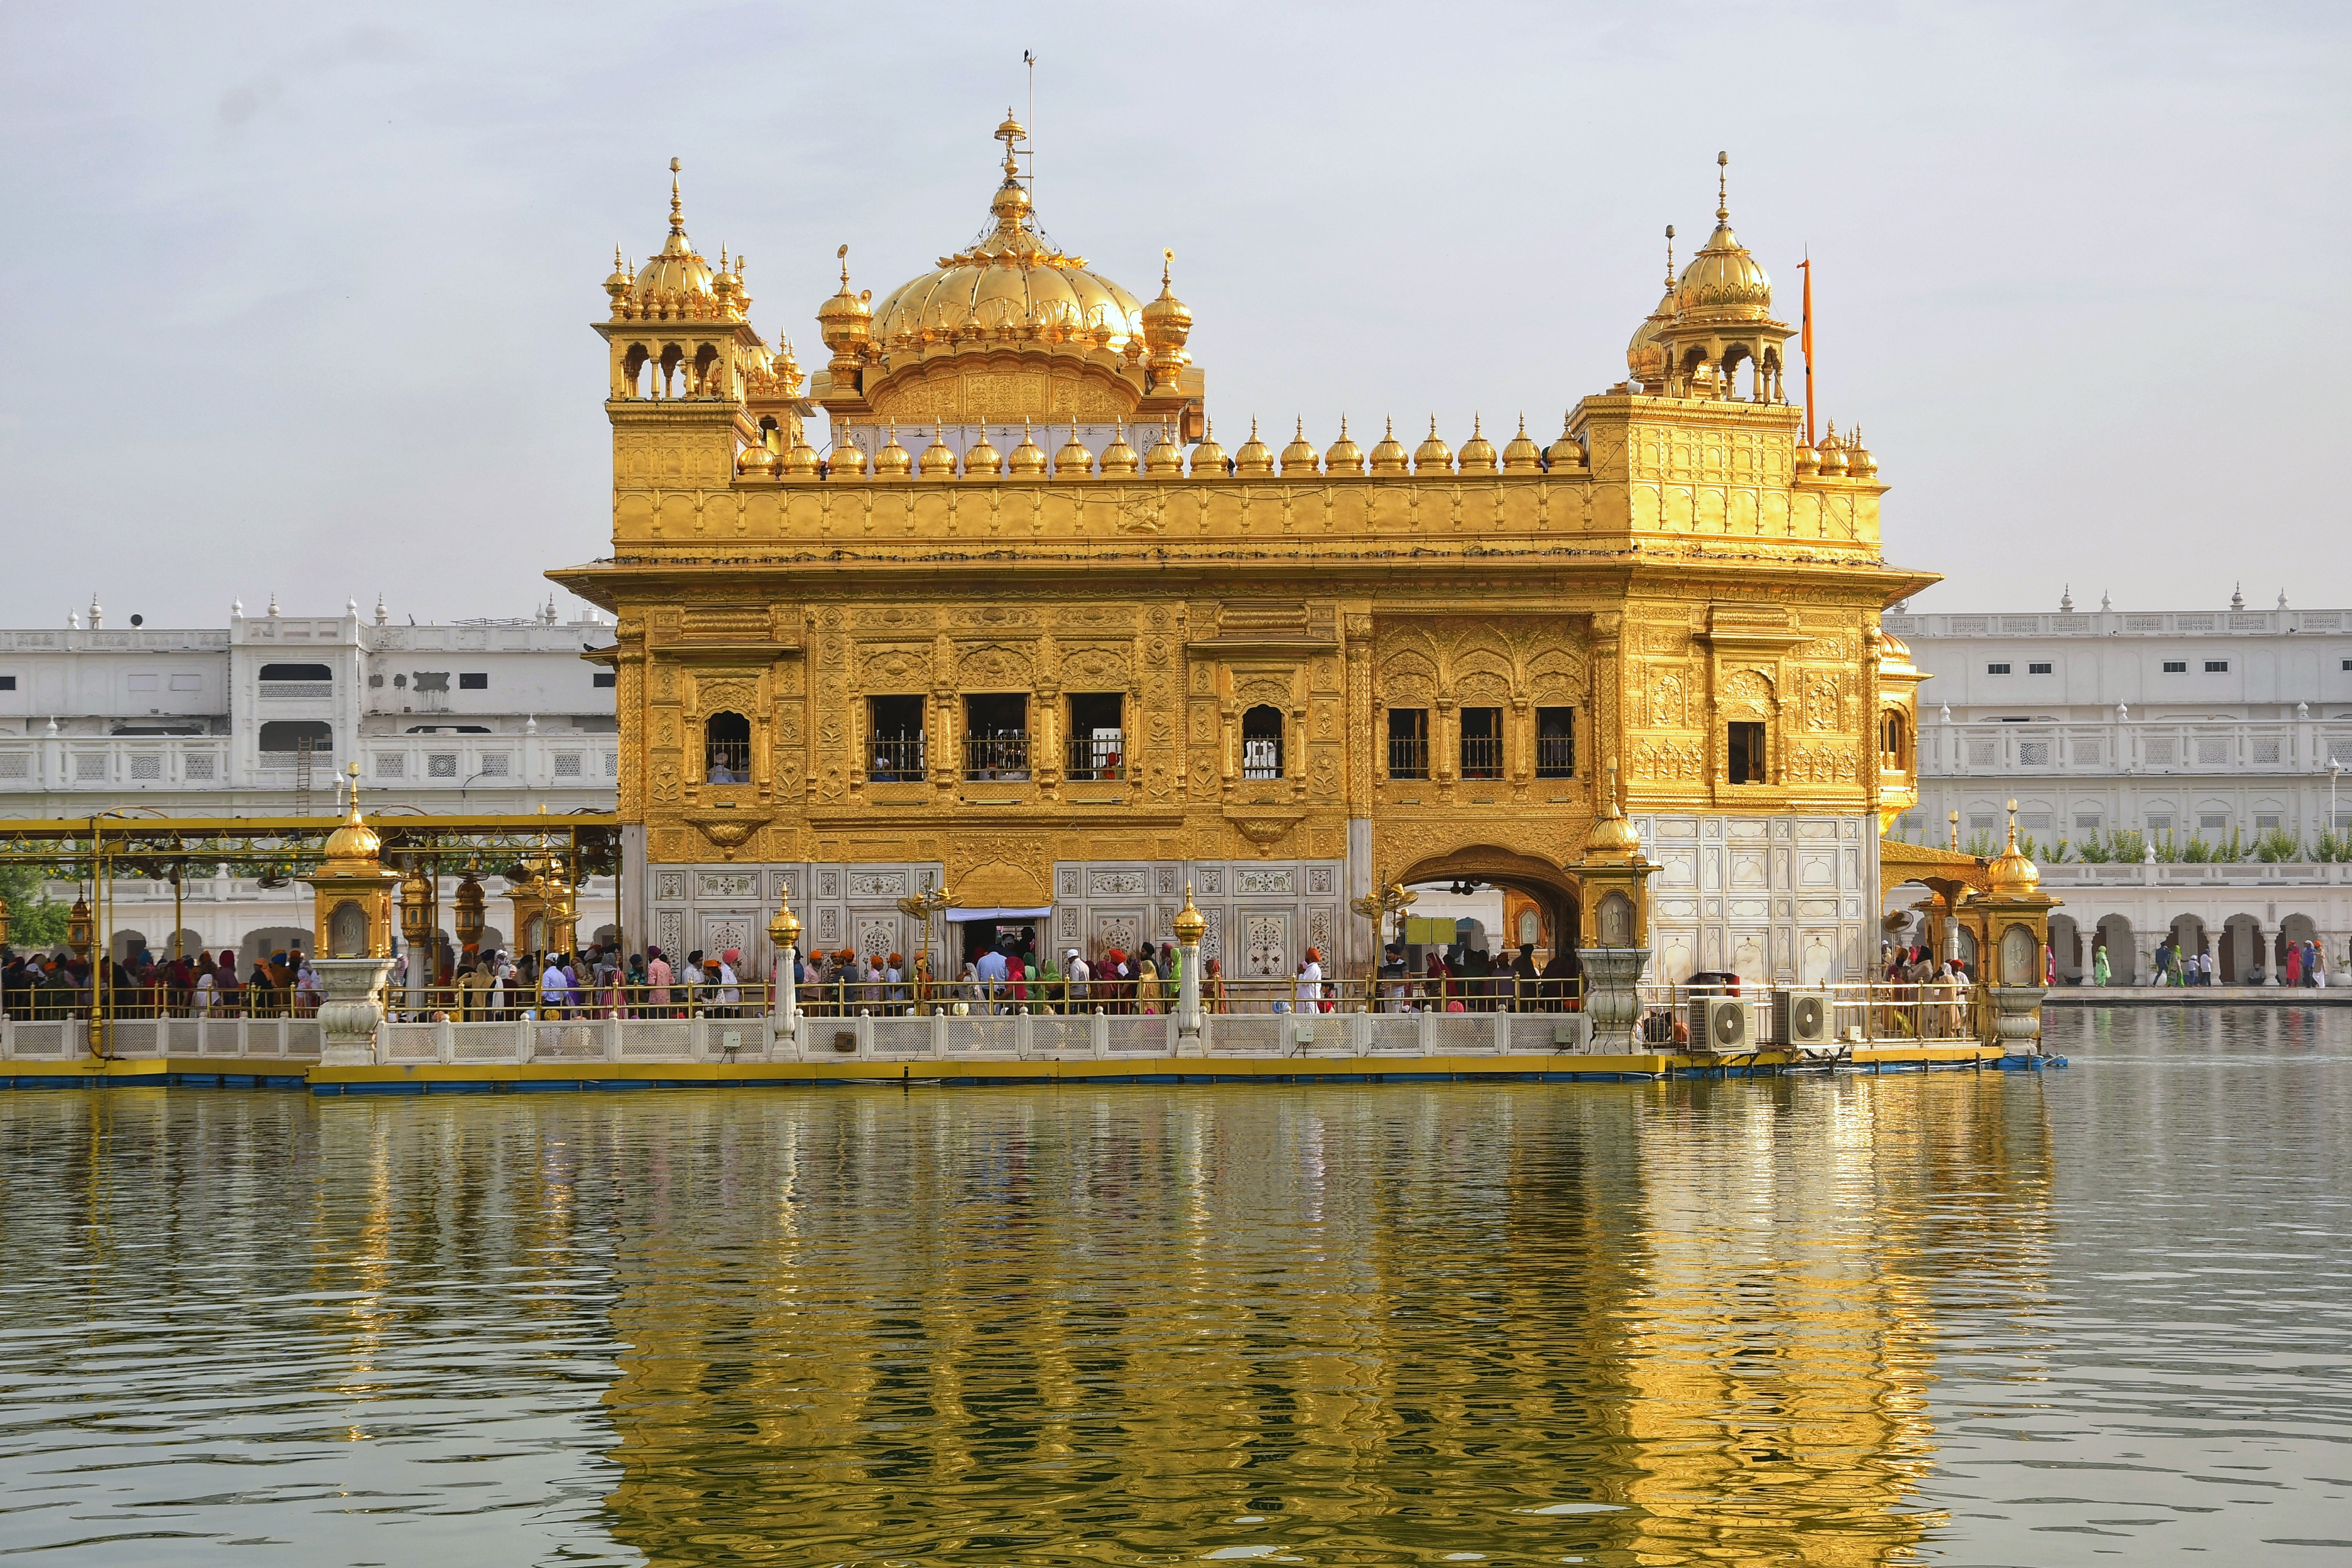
column 2187, row 727
column 261, row 717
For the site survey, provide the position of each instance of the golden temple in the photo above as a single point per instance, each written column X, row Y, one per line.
column 1016, row 628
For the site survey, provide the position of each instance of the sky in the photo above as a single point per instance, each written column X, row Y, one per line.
column 299, row 296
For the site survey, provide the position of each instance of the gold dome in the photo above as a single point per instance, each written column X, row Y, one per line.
column 1565, row 456
column 1645, row 355
column 354, row 840
column 1167, row 323
column 1190, row 922
column 674, row 280
column 981, row 459
column 1521, row 455
column 1345, row 457
column 1208, row 458
column 1389, row 456
column 1723, row 281
column 846, row 321
column 1894, row 655
column 1119, row 457
column 1831, row 453
column 892, row 461
column 1076, row 460
column 800, row 461
column 1254, row 460
column 618, row 284
column 2011, row 874
column 1477, row 453
column 1299, row 456
column 1859, row 463
column 939, row 460
column 848, row 462
column 1026, row 461
column 1612, row 838
column 1011, row 283
column 1809, row 462
column 1164, row 460
column 1432, row 455
column 758, row 459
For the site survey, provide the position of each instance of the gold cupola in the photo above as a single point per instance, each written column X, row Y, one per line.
column 1345, row 457
column 1208, row 458
column 1831, row 453
column 1076, row 460
column 759, row 461
column 1645, row 356
column 1026, row 461
column 1164, row 460
column 1722, row 319
column 848, row 462
column 1300, row 456
column 892, row 461
column 676, row 283
column 939, row 460
column 981, row 460
column 847, row 320
column 1477, row 453
column 800, row 461
column 1167, row 323
column 1119, row 457
column 1253, row 460
column 1565, row 455
column 2010, row 873
column 1521, row 455
column 1388, row 454
column 1432, row 455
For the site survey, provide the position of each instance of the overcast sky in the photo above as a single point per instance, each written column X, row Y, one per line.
column 297, row 297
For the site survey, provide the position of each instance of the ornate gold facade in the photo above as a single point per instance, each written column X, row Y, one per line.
column 1346, row 666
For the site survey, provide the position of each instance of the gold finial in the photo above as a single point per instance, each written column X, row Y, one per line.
column 1189, row 923
column 2012, row 826
column 842, row 255
column 1167, row 263
column 676, row 206
column 1670, row 256
column 1955, row 820
column 1722, row 174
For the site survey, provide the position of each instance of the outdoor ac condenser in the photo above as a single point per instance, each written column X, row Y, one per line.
column 1721, row 1025
column 1802, row 1018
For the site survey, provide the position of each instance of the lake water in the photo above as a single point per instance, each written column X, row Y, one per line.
column 1962, row 1318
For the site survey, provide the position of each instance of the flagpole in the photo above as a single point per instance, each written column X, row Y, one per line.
column 1805, row 342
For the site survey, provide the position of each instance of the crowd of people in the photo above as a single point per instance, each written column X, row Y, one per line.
column 1924, row 999
column 1467, row 979
column 59, row 984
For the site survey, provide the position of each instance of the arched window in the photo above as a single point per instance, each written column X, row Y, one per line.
column 1892, row 752
column 727, row 743
column 1262, row 742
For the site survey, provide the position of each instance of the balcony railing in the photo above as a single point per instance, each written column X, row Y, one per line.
column 1002, row 758
column 1097, row 757
column 1408, row 756
column 1555, row 756
column 897, row 759
column 1481, row 756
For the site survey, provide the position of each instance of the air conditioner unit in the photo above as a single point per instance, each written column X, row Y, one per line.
column 1721, row 1025
column 1802, row 1019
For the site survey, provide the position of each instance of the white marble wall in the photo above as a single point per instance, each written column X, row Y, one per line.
column 1777, row 899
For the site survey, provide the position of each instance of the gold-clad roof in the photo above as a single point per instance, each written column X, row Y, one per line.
column 674, row 280
column 1612, row 838
column 354, row 841
column 1010, row 281
column 1432, row 455
column 2010, row 872
column 1723, row 281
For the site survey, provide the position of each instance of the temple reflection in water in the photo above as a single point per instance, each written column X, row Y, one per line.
column 1678, row 1322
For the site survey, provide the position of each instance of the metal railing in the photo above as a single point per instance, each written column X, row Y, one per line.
column 1481, row 756
column 998, row 758
column 1097, row 757
column 1408, row 756
column 1555, row 756
column 897, row 759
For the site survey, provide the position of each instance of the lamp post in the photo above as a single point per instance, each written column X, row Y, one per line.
column 784, row 936
column 1390, row 898
column 922, row 907
column 1189, row 925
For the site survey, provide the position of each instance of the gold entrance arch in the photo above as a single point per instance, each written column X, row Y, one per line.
column 1554, row 890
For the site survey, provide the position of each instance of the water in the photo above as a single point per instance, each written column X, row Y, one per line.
column 1952, row 1317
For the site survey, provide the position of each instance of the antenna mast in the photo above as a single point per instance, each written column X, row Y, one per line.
column 1030, row 60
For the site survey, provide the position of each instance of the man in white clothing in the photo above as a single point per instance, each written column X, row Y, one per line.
column 992, row 973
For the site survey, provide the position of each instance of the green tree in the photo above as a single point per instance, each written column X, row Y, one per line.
column 35, row 919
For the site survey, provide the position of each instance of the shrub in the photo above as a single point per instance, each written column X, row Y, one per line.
column 35, row 921
column 2277, row 847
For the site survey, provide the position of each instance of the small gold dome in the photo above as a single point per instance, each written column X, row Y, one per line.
column 617, row 285
column 981, row 460
column 1164, row 460
column 1521, row 455
column 800, row 461
column 1345, row 457
column 1477, row 453
column 1565, row 455
column 1254, row 460
column 354, row 840
column 1190, row 922
column 2011, row 874
column 1831, row 453
column 1026, row 461
column 1809, row 462
column 757, row 462
column 1119, row 457
column 1859, row 463
column 1612, row 838
column 1208, row 458
column 939, row 460
column 892, row 461
column 1723, row 282
column 1389, row 456
column 1299, row 456
column 846, row 321
column 848, row 462
column 1076, row 460
column 1432, row 455
column 1167, row 320
column 675, row 279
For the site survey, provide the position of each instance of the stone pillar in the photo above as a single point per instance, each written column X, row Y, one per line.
column 1189, row 926
column 1611, row 1000
column 2016, row 1018
column 352, row 1009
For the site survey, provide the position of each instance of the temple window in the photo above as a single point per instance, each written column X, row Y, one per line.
column 1555, row 743
column 1482, row 742
column 1744, row 752
column 1892, row 752
column 894, row 740
column 1097, row 742
column 996, row 738
column 727, row 749
column 1262, row 742
column 1408, row 742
